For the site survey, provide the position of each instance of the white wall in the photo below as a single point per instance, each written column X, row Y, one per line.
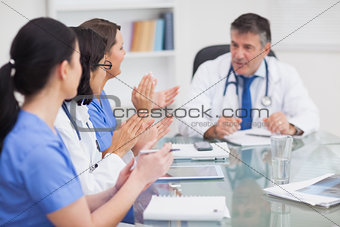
column 11, row 21
column 207, row 24
column 320, row 73
column 201, row 23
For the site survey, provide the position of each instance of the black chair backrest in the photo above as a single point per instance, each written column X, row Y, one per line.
column 212, row 52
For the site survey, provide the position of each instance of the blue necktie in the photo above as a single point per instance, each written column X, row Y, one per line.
column 246, row 103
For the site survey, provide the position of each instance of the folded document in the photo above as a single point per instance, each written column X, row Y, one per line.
column 193, row 208
column 321, row 191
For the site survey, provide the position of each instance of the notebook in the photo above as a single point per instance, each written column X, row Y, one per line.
column 193, row 208
column 188, row 151
column 320, row 191
column 250, row 137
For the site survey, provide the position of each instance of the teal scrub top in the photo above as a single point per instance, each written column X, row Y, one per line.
column 37, row 176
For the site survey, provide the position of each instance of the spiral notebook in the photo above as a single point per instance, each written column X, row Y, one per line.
column 191, row 208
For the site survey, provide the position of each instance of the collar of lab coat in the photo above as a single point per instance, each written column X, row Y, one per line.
column 273, row 69
column 274, row 73
column 261, row 71
column 81, row 112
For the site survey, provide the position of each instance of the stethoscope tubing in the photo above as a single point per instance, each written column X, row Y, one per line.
column 266, row 100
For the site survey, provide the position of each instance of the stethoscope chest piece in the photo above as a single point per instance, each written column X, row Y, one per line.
column 266, row 101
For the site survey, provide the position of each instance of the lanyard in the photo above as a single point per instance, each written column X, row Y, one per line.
column 68, row 114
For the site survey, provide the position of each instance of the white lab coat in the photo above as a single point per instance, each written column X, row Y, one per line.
column 285, row 89
column 84, row 152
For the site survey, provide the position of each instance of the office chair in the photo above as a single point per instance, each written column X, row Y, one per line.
column 212, row 52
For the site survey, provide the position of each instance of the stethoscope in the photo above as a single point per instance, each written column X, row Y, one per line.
column 68, row 114
column 266, row 100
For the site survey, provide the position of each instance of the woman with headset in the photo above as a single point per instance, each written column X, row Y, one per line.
column 143, row 97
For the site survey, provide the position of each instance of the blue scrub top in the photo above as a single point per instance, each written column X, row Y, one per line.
column 103, row 121
column 37, row 176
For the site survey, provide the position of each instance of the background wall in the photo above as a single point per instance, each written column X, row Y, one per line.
column 11, row 21
column 201, row 23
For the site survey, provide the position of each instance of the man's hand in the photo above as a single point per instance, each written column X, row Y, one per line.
column 225, row 126
column 278, row 123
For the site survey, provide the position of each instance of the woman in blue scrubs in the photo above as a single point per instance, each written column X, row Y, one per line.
column 38, row 183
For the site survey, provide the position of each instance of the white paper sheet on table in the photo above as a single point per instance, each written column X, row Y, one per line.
column 250, row 137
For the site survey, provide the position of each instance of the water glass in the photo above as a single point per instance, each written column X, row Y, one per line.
column 281, row 149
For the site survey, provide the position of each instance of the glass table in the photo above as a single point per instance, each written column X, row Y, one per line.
column 246, row 173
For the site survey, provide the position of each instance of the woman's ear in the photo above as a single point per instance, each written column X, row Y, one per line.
column 63, row 70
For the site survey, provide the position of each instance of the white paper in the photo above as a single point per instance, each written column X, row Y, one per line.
column 258, row 132
column 243, row 138
column 193, row 208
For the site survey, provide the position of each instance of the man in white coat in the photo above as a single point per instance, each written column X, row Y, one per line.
column 247, row 89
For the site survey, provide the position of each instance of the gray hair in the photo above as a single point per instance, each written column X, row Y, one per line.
column 255, row 24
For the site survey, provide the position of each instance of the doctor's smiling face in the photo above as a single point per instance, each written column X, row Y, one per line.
column 247, row 52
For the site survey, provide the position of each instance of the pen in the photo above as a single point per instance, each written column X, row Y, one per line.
column 155, row 150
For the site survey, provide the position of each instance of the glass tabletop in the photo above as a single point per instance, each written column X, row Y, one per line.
column 246, row 173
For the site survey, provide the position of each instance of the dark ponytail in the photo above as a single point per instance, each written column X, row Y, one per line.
column 36, row 50
column 9, row 105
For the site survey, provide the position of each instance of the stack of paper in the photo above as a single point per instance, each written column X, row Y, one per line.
column 321, row 191
column 250, row 137
column 208, row 208
column 188, row 151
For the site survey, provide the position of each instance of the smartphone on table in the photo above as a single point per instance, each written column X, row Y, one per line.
column 203, row 146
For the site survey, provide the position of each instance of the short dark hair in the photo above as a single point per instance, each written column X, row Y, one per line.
column 253, row 23
column 92, row 49
column 105, row 28
column 39, row 46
